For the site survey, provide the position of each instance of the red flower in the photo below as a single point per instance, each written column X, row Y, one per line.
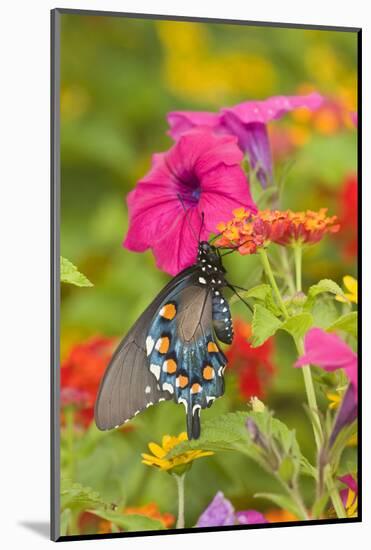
column 253, row 365
column 81, row 373
column 348, row 216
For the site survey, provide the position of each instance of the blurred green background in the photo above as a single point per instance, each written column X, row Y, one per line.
column 119, row 78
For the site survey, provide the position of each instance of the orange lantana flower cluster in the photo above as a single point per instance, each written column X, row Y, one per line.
column 249, row 232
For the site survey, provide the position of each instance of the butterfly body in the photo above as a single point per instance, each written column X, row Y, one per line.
column 172, row 351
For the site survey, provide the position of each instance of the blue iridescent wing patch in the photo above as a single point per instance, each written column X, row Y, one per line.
column 183, row 353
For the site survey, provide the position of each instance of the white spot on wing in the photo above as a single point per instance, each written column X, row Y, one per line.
column 149, row 404
column 149, row 344
column 181, row 400
column 210, row 398
column 147, row 389
column 155, row 369
column 168, row 387
column 202, row 280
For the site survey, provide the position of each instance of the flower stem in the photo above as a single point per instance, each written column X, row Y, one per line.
column 298, row 253
column 308, row 382
column 180, row 486
column 335, row 497
column 272, row 280
column 311, row 397
column 287, row 270
column 295, row 496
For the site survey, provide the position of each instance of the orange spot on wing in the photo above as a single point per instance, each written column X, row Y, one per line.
column 182, row 381
column 208, row 372
column 196, row 388
column 163, row 344
column 212, row 347
column 170, row 366
column 168, row 312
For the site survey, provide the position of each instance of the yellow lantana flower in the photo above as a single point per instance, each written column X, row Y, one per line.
column 350, row 284
column 176, row 464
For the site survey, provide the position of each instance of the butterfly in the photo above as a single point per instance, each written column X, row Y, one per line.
column 172, row 352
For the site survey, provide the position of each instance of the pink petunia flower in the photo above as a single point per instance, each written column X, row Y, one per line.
column 204, row 170
column 248, row 122
column 329, row 352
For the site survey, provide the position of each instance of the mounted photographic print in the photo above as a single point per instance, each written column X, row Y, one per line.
column 204, row 303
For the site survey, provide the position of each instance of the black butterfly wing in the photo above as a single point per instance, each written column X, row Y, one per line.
column 128, row 386
column 222, row 319
column 183, row 353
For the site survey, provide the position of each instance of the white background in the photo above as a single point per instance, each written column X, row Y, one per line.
column 24, row 251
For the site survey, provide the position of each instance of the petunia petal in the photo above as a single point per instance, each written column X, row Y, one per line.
column 250, row 517
column 253, row 140
column 350, row 482
column 198, row 151
column 273, row 107
column 327, row 351
column 167, row 205
column 182, row 121
column 346, row 414
column 219, row 512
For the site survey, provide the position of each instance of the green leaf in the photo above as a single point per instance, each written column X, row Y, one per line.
column 349, row 462
column 264, row 325
column 229, row 433
column 347, row 323
column 129, row 522
column 260, row 292
column 341, row 442
column 287, row 469
column 325, row 285
column 71, row 275
column 65, row 519
column 306, row 468
column 283, row 502
column 324, row 312
column 298, row 325
column 75, row 495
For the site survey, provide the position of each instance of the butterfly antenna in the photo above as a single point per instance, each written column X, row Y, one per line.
column 186, row 210
column 240, row 297
column 215, row 237
column 201, row 227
